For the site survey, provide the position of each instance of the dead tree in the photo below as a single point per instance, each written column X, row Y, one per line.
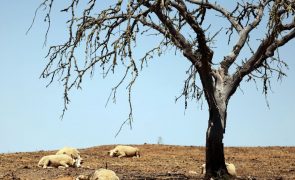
column 110, row 36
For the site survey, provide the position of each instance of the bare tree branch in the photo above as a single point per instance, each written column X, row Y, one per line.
column 279, row 35
column 221, row 10
column 47, row 4
column 243, row 36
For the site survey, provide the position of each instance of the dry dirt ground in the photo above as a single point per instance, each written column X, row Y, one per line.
column 156, row 162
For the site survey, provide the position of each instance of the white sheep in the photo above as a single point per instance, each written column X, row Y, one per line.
column 231, row 169
column 73, row 152
column 69, row 151
column 104, row 174
column 124, row 151
column 100, row 174
column 60, row 160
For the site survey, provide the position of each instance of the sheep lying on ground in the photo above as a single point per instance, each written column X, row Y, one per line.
column 124, row 151
column 100, row 174
column 72, row 152
column 104, row 174
column 60, row 160
column 69, row 151
column 231, row 169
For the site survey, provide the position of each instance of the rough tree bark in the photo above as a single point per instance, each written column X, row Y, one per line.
column 217, row 97
column 215, row 161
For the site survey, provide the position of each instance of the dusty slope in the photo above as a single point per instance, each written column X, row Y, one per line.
column 157, row 162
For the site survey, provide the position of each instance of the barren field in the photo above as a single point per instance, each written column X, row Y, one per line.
column 156, row 162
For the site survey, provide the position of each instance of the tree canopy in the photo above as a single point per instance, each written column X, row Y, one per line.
column 110, row 36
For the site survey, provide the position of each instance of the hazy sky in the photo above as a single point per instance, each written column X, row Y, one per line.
column 30, row 112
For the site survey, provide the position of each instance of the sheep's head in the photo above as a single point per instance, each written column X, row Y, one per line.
column 77, row 161
column 113, row 152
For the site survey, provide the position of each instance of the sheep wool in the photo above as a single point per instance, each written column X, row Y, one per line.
column 60, row 160
column 124, row 151
column 73, row 152
column 104, row 174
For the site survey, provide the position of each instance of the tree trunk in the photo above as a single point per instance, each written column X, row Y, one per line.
column 215, row 162
column 217, row 87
